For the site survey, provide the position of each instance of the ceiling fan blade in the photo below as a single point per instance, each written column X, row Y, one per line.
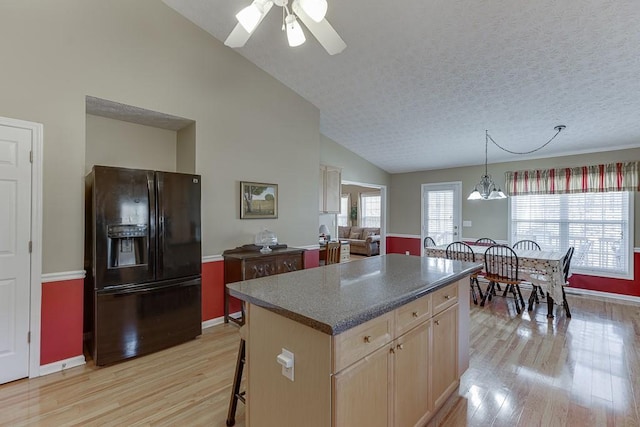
column 323, row 31
column 239, row 35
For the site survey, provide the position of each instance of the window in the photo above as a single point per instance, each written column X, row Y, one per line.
column 370, row 206
column 598, row 225
column 343, row 216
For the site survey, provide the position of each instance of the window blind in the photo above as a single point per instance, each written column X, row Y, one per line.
column 596, row 224
column 439, row 209
column 370, row 204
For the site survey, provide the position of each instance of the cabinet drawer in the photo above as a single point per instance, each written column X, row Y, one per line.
column 412, row 314
column 259, row 268
column 444, row 298
column 356, row 343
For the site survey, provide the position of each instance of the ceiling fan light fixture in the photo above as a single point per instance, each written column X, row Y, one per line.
column 295, row 36
column 249, row 17
column 316, row 9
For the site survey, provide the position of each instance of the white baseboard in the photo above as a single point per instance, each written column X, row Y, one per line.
column 61, row 365
column 588, row 292
column 218, row 320
column 212, row 322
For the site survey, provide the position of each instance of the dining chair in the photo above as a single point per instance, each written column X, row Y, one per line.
column 532, row 246
column 462, row 252
column 428, row 242
column 485, row 241
column 501, row 266
column 527, row 244
column 332, row 253
column 565, row 275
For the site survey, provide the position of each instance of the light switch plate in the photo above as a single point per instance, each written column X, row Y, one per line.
column 286, row 358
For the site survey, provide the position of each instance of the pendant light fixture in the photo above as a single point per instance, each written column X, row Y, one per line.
column 486, row 189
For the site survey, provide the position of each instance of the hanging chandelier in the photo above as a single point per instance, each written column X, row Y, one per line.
column 486, row 189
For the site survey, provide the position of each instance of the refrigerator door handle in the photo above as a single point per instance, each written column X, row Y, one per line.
column 159, row 180
column 153, row 207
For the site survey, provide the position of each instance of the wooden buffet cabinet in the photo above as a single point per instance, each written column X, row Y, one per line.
column 394, row 370
column 247, row 262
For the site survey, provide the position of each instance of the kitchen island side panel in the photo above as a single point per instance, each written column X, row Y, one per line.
column 306, row 400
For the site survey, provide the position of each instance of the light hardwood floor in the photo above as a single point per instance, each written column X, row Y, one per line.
column 525, row 370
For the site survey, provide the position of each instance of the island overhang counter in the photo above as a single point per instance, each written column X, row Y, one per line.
column 380, row 341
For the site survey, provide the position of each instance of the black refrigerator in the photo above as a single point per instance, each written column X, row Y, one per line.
column 143, row 260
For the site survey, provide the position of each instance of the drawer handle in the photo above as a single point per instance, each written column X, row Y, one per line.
column 414, row 314
column 392, row 350
column 367, row 338
column 447, row 297
column 400, row 346
column 437, row 322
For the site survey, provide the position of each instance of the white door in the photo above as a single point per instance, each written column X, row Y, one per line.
column 441, row 212
column 15, row 259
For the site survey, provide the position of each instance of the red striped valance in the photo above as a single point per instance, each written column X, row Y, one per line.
column 583, row 179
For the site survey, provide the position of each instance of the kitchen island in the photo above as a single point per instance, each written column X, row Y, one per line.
column 380, row 341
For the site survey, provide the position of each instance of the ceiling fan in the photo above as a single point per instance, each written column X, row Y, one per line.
column 310, row 12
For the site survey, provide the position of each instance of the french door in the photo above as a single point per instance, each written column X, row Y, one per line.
column 441, row 212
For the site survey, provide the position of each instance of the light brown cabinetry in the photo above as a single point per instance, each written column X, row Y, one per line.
column 444, row 355
column 394, row 370
column 421, row 369
column 411, row 377
column 330, row 186
column 362, row 391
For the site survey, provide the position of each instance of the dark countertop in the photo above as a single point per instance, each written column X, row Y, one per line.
column 337, row 297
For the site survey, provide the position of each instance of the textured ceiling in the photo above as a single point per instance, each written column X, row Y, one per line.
column 420, row 81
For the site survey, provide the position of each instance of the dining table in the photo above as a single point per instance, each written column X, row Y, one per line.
column 544, row 268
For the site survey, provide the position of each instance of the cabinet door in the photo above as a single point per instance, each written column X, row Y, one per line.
column 260, row 267
column 332, row 190
column 444, row 355
column 412, row 405
column 289, row 263
column 323, row 172
column 361, row 392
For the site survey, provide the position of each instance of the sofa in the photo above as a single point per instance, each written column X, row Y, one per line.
column 362, row 240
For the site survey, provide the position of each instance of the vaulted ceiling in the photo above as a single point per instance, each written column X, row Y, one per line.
column 420, row 81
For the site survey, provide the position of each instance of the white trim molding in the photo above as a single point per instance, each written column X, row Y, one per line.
column 609, row 295
column 218, row 320
column 212, row 258
column 404, row 236
column 61, row 365
column 213, row 322
column 62, row 276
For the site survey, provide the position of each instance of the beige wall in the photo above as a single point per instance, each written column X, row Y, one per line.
column 354, row 168
column 142, row 53
column 489, row 218
column 116, row 143
column 186, row 149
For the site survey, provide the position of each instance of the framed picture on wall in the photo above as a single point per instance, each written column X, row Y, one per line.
column 258, row 200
